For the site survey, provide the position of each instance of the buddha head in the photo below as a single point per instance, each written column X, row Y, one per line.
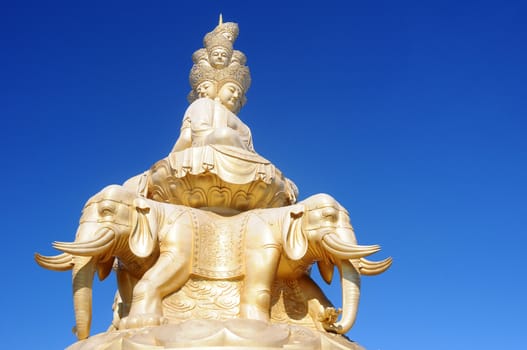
column 229, row 30
column 238, row 57
column 219, row 43
column 203, row 80
column 219, row 57
column 200, row 56
column 219, row 51
column 233, row 83
column 206, row 88
column 231, row 96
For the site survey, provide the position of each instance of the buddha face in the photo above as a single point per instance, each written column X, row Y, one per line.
column 206, row 89
column 219, row 58
column 230, row 96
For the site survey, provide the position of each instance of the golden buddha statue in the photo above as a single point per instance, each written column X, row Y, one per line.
column 213, row 163
column 210, row 246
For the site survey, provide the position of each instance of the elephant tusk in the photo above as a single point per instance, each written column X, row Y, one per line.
column 89, row 248
column 61, row 262
column 344, row 250
column 372, row 268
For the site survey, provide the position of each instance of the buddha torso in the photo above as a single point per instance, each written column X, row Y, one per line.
column 208, row 122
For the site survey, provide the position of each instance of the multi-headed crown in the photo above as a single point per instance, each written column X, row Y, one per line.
column 218, row 63
column 202, row 73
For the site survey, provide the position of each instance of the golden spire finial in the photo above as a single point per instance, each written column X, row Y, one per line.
column 220, row 21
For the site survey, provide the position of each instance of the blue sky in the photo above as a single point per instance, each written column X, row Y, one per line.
column 411, row 113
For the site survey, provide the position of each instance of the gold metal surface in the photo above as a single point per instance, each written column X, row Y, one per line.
column 210, row 246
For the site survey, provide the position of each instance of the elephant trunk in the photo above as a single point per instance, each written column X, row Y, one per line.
column 83, row 272
column 350, row 280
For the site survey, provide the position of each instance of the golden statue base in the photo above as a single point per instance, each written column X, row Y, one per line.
column 235, row 334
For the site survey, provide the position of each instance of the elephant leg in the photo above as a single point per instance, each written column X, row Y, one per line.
column 125, row 284
column 321, row 310
column 168, row 274
column 255, row 299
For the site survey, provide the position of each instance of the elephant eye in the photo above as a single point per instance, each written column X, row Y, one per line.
column 330, row 214
column 107, row 209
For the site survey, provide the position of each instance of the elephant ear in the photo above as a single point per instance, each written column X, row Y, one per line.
column 142, row 240
column 295, row 241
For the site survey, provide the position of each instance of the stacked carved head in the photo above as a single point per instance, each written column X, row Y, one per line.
column 219, row 71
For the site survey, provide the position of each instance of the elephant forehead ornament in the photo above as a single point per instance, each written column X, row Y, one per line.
column 323, row 210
